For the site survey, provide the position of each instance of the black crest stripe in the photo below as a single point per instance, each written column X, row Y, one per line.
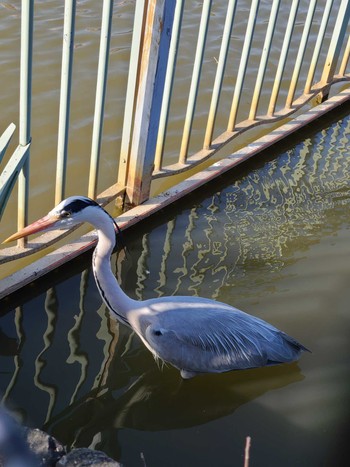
column 78, row 204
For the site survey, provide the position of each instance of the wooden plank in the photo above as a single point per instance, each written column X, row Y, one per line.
column 141, row 162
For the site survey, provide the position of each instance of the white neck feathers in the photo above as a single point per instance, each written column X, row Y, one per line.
column 114, row 297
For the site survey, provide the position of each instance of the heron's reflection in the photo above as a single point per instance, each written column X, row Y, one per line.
column 161, row 400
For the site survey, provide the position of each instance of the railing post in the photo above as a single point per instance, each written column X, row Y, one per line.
column 27, row 16
column 336, row 42
column 225, row 44
column 243, row 64
column 301, row 53
column 101, row 85
column 131, row 90
column 140, row 166
column 66, row 83
column 264, row 59
column 283, row 57
column 151, row 77
column 196, row 76
column 318, row 45
column 168, row 84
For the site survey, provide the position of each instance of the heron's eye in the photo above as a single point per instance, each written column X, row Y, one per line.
column 64, row 214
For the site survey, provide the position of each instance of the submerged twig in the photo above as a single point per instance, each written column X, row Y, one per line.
column 143, row 459
column 247, row 451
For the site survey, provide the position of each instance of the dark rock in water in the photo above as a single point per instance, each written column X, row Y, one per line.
column 46, row 448
column 13, row 448
column 83, row 457
column 27, row 447
column 30, row 447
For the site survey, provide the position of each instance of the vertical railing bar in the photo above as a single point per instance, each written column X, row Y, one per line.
column 264, row 58
column 345, row 59
column 27, row 19
column 26, row 71
column 66, row 83
column 301, row 53
column 168, row 85
column 226, row 36
column 192, row 98
column 336, row 42
column 131, row 94
column 283, row 57
column 243, row 64
column 318, row 45
column 105, row 39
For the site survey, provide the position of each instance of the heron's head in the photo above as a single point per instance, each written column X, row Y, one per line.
column 69, row 212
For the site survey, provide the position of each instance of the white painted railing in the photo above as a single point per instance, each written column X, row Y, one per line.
column 158, row 26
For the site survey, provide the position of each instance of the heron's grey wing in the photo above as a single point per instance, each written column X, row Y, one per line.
column 218, row 341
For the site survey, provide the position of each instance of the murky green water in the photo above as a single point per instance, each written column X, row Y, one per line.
column 271, row 239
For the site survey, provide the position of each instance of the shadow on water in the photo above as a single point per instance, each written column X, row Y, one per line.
column 161, row 400
column 155, row 400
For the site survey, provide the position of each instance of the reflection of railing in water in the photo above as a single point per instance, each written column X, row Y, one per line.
column 251, row 221
column 217, row 238
column 70, row 349
column 159, row 28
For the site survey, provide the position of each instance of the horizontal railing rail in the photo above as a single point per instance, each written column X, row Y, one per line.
column 318, row 31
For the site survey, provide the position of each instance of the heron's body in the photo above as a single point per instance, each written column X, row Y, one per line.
column 196, row 335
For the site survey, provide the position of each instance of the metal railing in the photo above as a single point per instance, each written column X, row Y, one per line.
column 154, row 51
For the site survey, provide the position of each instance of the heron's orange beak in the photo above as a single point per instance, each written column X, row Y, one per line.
column 37, row 226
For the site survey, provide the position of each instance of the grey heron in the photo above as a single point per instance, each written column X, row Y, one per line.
column 196, row 335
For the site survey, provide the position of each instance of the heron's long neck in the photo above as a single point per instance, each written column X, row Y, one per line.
column 114, row 297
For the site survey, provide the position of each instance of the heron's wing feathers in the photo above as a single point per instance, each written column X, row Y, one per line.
column 220, row 339
column 215, row 337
